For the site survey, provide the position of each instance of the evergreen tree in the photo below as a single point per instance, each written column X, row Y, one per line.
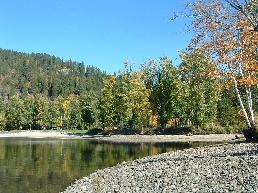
column 47, row 75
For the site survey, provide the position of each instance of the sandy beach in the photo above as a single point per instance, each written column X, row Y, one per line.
column 35, row 134
column 125, row 138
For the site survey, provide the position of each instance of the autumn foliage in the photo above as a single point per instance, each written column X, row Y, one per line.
column 227, row 30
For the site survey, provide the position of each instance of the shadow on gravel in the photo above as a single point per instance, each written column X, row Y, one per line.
column 249, row 152
column 150, row 131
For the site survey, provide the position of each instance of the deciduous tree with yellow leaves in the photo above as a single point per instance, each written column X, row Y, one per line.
column 228, row 30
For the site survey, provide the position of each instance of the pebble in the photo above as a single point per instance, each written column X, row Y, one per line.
column 219, row 168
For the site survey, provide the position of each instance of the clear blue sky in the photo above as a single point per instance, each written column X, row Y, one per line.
column 102, row 33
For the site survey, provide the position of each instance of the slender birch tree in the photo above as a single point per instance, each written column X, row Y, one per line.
column 227, row 29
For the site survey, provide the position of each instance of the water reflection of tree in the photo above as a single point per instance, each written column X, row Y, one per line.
column 50, row 166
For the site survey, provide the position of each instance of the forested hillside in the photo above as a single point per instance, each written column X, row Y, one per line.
column 40, row 91
column 29, row 74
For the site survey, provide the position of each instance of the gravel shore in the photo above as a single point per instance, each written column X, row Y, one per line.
column 219, row 168
column 167, row 138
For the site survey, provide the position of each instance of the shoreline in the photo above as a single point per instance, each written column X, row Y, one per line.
column 168, row 138
column 123, row 138
column 34, row 134
column 215, row 168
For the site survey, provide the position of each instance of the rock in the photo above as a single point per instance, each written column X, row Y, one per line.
column 220, row 168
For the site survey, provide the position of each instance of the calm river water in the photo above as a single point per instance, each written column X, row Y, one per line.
column 50, row 165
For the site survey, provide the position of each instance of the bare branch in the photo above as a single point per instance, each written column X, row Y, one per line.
column 237, row 6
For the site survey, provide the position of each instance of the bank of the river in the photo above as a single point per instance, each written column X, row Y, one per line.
column 35, row 134
column 125, row 138
column 168, row 138
column 219, row 168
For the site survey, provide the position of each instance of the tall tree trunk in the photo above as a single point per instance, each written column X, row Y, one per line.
column 241, row 102
column 250, row 133
column 250, row 105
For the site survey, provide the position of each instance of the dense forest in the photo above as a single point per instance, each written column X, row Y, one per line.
column 39, row 91
column 29, row 74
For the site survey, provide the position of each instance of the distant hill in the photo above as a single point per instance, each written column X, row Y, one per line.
column 30, row 74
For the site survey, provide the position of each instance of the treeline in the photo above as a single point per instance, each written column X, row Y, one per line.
column 29, row 74
column 159, row 96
